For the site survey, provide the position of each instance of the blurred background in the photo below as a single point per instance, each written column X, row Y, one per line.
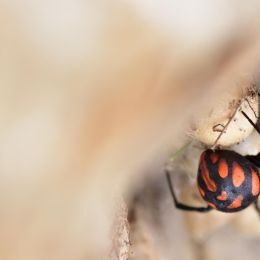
column 95, row 98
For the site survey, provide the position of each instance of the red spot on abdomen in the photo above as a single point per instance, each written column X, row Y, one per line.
column 213, row 157
column 211, row 205
column 238, row 175
column 222, row 196
column 255, row 183
column 223, row 169
column 202, row 192
column 236, row 203
column 211, row 186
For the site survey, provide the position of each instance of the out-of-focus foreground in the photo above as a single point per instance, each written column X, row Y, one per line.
column 96, row 93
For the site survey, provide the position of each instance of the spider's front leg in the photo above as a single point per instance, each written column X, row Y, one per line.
column 179, row 205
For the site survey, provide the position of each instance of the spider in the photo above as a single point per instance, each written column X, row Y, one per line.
column 227, row 181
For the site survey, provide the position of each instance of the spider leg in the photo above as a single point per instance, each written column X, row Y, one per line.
column 255, row 159
column 257, row 208
column 251, row 122
column 179, row 205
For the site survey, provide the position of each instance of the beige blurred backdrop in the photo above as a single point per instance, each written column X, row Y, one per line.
column 93, row 94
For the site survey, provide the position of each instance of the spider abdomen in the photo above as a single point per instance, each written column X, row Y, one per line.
column 227, row 181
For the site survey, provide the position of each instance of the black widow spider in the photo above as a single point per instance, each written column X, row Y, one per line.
column 227, row 181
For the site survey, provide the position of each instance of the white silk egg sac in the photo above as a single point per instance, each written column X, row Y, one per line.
column 225, row 125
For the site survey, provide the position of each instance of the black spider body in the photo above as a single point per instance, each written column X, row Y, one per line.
column 227, row 181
